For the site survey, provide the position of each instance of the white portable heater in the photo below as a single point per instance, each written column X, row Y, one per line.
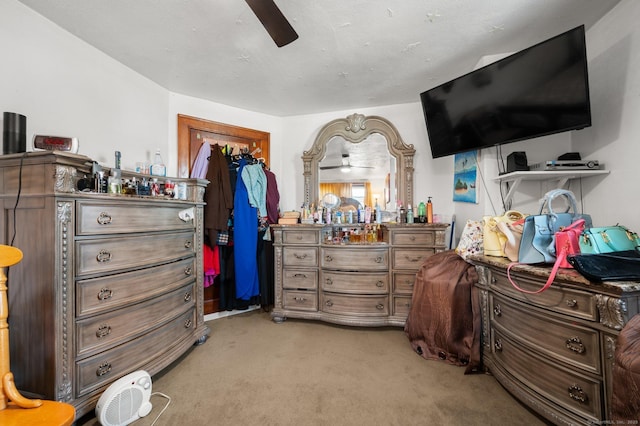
column 125, row 400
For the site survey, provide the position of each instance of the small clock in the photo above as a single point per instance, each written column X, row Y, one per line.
column 55, row 143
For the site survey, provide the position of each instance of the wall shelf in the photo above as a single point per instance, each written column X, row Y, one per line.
column 562, row 176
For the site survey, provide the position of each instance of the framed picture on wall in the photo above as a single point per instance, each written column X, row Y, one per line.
column 465, row 177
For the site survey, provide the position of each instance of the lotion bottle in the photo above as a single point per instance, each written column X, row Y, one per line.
column 429, row 210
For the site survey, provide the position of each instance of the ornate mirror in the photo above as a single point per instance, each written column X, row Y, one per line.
column 359, row 157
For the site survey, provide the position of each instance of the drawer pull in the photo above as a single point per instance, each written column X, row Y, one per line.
column 188, row 244
column 300, row 275
column 188, row 270
column 577, row 394
column 413, row 259
column 498, row 345
column 300, row 299
column 379, row 259
column 104, row 218
column 103, row 331
column 497, row 310
column 187, row 297
column 380, row 284
column 494, row 280
column 328, row 258
column 188, row 323
column 408, row 304
column 572, row 303
column 104, row 256
column 299, row 237
column 409, row 283
column 329, row 303
column 105, row 294
column 575, row 344
column 328, row 281
column 103, row 369
column 412, row 238
column 380, row 307
column 300, row 256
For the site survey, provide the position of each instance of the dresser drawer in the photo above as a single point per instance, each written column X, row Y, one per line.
column 104, row 255
column 401, row 305
column 110, row 292
column 572, row 344
column 103, row 368
column 411, row 237
column 100, row 218
column 114, row 328
column 355, row 282
column 300, row 256
column 403, row 283
column 300, row 237
column 565, row 300
column 299, row 278
column 300, row 300
column 355, row 304
column 410, row 258
column 366, row 258
column 570, row 389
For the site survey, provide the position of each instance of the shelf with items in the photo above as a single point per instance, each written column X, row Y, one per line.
column 562, row 176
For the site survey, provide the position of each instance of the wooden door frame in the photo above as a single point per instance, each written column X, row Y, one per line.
column 187, row 123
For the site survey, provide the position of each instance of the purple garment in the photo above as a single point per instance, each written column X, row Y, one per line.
column 273, row 197
column 201, row 163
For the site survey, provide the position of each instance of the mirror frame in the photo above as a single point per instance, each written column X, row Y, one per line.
column 355, row 128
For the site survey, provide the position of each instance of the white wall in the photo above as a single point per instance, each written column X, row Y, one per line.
column 66, row 87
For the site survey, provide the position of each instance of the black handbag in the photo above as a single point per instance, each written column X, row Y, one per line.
column 614, row 266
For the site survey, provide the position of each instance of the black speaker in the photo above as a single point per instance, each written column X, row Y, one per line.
column 517, row 161
column 14, row 133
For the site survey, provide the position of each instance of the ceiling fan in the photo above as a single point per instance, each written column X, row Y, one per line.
column 346, row 165
column 273, row 21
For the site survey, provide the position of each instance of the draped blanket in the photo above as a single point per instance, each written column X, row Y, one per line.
column 444, row 319
column 625, row 404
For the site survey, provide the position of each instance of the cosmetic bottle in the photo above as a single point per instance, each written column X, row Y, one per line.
column 429, row 210
column 422, row 212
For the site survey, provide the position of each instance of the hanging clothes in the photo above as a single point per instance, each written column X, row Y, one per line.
column 218, row 195
column 245, row 230
column 256, row 182
column 273, row 197
column 201, row 163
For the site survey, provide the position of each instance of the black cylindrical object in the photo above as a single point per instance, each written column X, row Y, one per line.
column 14, row 133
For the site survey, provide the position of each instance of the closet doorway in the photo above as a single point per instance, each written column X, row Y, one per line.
column 192, row 133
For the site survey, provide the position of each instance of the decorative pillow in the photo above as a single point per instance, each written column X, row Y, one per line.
column 470, row 240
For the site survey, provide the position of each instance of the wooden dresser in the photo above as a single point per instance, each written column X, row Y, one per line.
column 362, row 284
column 109, row 284
column 554, row 350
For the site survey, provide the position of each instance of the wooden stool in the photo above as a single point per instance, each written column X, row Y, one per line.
column 14, row 408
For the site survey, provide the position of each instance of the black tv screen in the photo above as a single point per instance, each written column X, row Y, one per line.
column 538, row 91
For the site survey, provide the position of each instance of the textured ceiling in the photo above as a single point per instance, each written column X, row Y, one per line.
column 350, row 53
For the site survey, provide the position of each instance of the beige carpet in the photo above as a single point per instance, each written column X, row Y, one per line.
column 252, row 371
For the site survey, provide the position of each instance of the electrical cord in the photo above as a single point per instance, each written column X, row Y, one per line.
column 15, row 207
column 165, row 407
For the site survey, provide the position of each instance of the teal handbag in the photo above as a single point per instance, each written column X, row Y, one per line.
column 608, row 239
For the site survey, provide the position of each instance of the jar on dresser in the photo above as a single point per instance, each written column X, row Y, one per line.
column 321, row 275
column 109, row 284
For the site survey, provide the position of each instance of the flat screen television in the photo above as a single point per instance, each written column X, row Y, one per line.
column 538, row 91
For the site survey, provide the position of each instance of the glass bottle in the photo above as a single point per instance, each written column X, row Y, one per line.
column 158, row 168
column 422, row 212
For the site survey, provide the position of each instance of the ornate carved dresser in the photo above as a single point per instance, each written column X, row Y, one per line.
column 109, row 283
column 345, row 283
column 554, row 350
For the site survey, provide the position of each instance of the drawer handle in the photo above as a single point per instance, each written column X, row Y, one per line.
column 572, row 303
column 379, row 259
column 188, row 244
column 329, row 303
column 188, row 270
column 413, row 259
column 300, row 256
column 498, row 345
column 409, row 283
column 380, row 284
column 103, row 331
column 328, row 281
column 575, row 344
column 577, row 394
column 497, row 310
column 188, row 323
column 187, row 297
column 300, row 299
column 299, row 237
column 328, row 258
column 412, row 238
column 105, row 294
column 104, row 256
column 380, row 307
column 408, row 304
column 494, row 280
column 300, row 275
column 103, row 369
column 104, row 218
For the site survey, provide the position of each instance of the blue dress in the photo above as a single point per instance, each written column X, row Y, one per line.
column 245, row 240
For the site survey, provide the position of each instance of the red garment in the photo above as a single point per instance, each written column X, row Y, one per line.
column 211, row 257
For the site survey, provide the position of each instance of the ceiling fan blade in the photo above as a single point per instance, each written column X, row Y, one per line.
column 331, row 167
column 273, row 21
